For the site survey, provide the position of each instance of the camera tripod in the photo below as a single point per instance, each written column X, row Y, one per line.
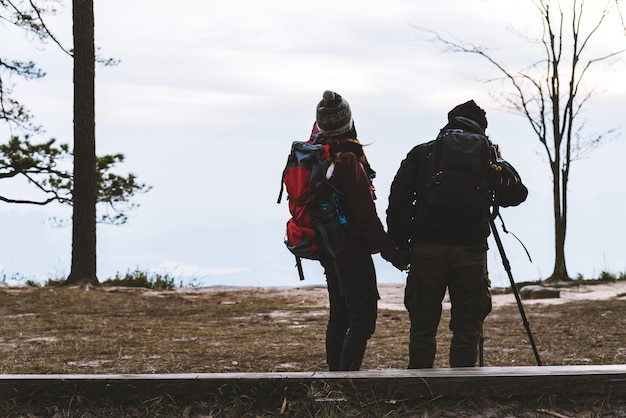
column 507, row 266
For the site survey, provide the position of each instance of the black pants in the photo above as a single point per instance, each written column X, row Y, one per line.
column 353, row 298
column 462, row 270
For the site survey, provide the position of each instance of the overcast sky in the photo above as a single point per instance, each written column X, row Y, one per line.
column 208, row 96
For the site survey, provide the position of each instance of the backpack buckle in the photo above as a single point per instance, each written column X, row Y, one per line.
column 436, row 179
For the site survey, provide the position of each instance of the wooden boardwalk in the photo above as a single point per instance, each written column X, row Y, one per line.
column 431, row 383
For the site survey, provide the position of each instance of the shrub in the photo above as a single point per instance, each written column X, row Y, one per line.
column 32, row 283
column 138, row 278
column 606, row 276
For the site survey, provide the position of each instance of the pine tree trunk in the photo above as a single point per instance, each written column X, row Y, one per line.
column 83, row 269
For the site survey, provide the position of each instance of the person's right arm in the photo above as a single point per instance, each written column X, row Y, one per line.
column 401, row 199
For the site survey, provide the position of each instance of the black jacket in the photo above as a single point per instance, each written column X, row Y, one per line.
column 403, row 221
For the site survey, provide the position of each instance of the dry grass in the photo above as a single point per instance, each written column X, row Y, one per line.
column 106, row 330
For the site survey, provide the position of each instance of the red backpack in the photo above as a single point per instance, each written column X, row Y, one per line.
column 317, row 227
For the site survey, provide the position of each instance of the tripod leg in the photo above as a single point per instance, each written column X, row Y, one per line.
column 507, row 267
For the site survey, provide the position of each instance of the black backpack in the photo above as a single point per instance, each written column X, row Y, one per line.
column 455, row 186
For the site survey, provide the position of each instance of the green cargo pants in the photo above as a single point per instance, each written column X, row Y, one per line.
column 462, row 270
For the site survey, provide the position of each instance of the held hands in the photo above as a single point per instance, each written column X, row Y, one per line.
column 399, row 257
column 403, row 262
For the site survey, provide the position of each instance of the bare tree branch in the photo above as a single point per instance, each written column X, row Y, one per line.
column 46, row 30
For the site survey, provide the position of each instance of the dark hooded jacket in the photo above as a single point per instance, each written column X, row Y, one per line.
column 404, row 223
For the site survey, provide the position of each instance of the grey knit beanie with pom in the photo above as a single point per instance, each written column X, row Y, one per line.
column 333, row 115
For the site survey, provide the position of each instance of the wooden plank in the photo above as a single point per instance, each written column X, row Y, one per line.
column 427, row 383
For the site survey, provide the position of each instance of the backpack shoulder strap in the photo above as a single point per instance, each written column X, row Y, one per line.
column 314, row 156
column 432, row 159
column 282, row 180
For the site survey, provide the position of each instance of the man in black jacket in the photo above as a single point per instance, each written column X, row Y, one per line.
column 446, row 253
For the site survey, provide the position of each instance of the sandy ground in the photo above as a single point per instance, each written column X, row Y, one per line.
column 391, row 295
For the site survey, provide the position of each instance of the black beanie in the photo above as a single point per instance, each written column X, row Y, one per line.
column 471, row 111
column 333, row 115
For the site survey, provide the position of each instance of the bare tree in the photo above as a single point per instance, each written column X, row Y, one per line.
column 551, row 92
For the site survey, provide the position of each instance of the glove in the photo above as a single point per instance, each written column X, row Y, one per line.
column 403, row 262
column 399, row 257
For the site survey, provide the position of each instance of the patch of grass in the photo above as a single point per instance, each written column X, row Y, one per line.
column 138, row 278
column 606, row 276
column 317, row 400
column 330, row 401
column 32, row 283
column 609, row 276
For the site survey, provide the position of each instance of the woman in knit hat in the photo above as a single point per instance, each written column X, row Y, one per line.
column 352, row 290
